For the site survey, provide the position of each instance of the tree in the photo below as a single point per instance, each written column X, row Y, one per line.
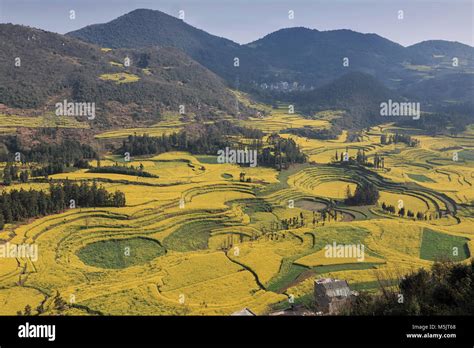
column 446, row 289
column 59, row 303
column 24, row 176
column 143, row 60
column 27, row 310
column 365, row 194
column 401, row 212
column 348, row 192
column 7, row 177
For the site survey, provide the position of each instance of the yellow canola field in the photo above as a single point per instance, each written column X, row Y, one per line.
column 214, row 280
column 319, row 258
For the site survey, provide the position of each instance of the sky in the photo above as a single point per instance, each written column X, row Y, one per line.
column 244, row 21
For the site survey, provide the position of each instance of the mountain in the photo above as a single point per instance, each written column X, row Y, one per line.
column 145, row 28
column 271, row 59
column 315, row 57
column 439, row 51
column 444, row 89
column 175, row 64
column 309, row 57
column 54, row 67
column 306, row 56
column 445, row 70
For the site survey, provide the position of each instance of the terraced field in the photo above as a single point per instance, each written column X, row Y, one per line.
column 197, row 241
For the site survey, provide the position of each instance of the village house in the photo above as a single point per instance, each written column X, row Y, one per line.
column 331, row 295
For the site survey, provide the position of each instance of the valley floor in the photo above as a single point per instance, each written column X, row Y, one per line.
column 198, row 241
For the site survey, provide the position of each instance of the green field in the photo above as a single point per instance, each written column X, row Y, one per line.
column 420, row 178
column 438, row 246
column 190, row 236
column 120, row 253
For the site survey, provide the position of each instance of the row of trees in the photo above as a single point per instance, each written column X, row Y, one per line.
column 402, row 212
column 278, row 152
column 204, row 139
column 18, row 205
column 52, row 158
column 324, row 216
column 124, row 170
column 361, row 158
column 386, row 139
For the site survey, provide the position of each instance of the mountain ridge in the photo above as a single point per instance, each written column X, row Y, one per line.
column 270, row 59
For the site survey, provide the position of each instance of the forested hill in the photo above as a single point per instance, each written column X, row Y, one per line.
column 358, row 94
column 40, row 68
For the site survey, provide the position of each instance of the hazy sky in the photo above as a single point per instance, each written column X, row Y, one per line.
column 247, row 20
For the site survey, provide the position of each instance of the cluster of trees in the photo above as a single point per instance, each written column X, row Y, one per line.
column 446, row 289
column 314, row 133
column 379, row 161
column 361, row 158
column 12, row 173
column 365, row 194
column 280, row 153
column 293, row 222
column 68, row 152
column 206, row 140
column 386, row 139
column 326, row 215
column 242, row 177
column 402, row 212
column 53, row 158
column 18, row 205
column 59, row 305
column 49, row 169
column 124, row 170
column 229, row 242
